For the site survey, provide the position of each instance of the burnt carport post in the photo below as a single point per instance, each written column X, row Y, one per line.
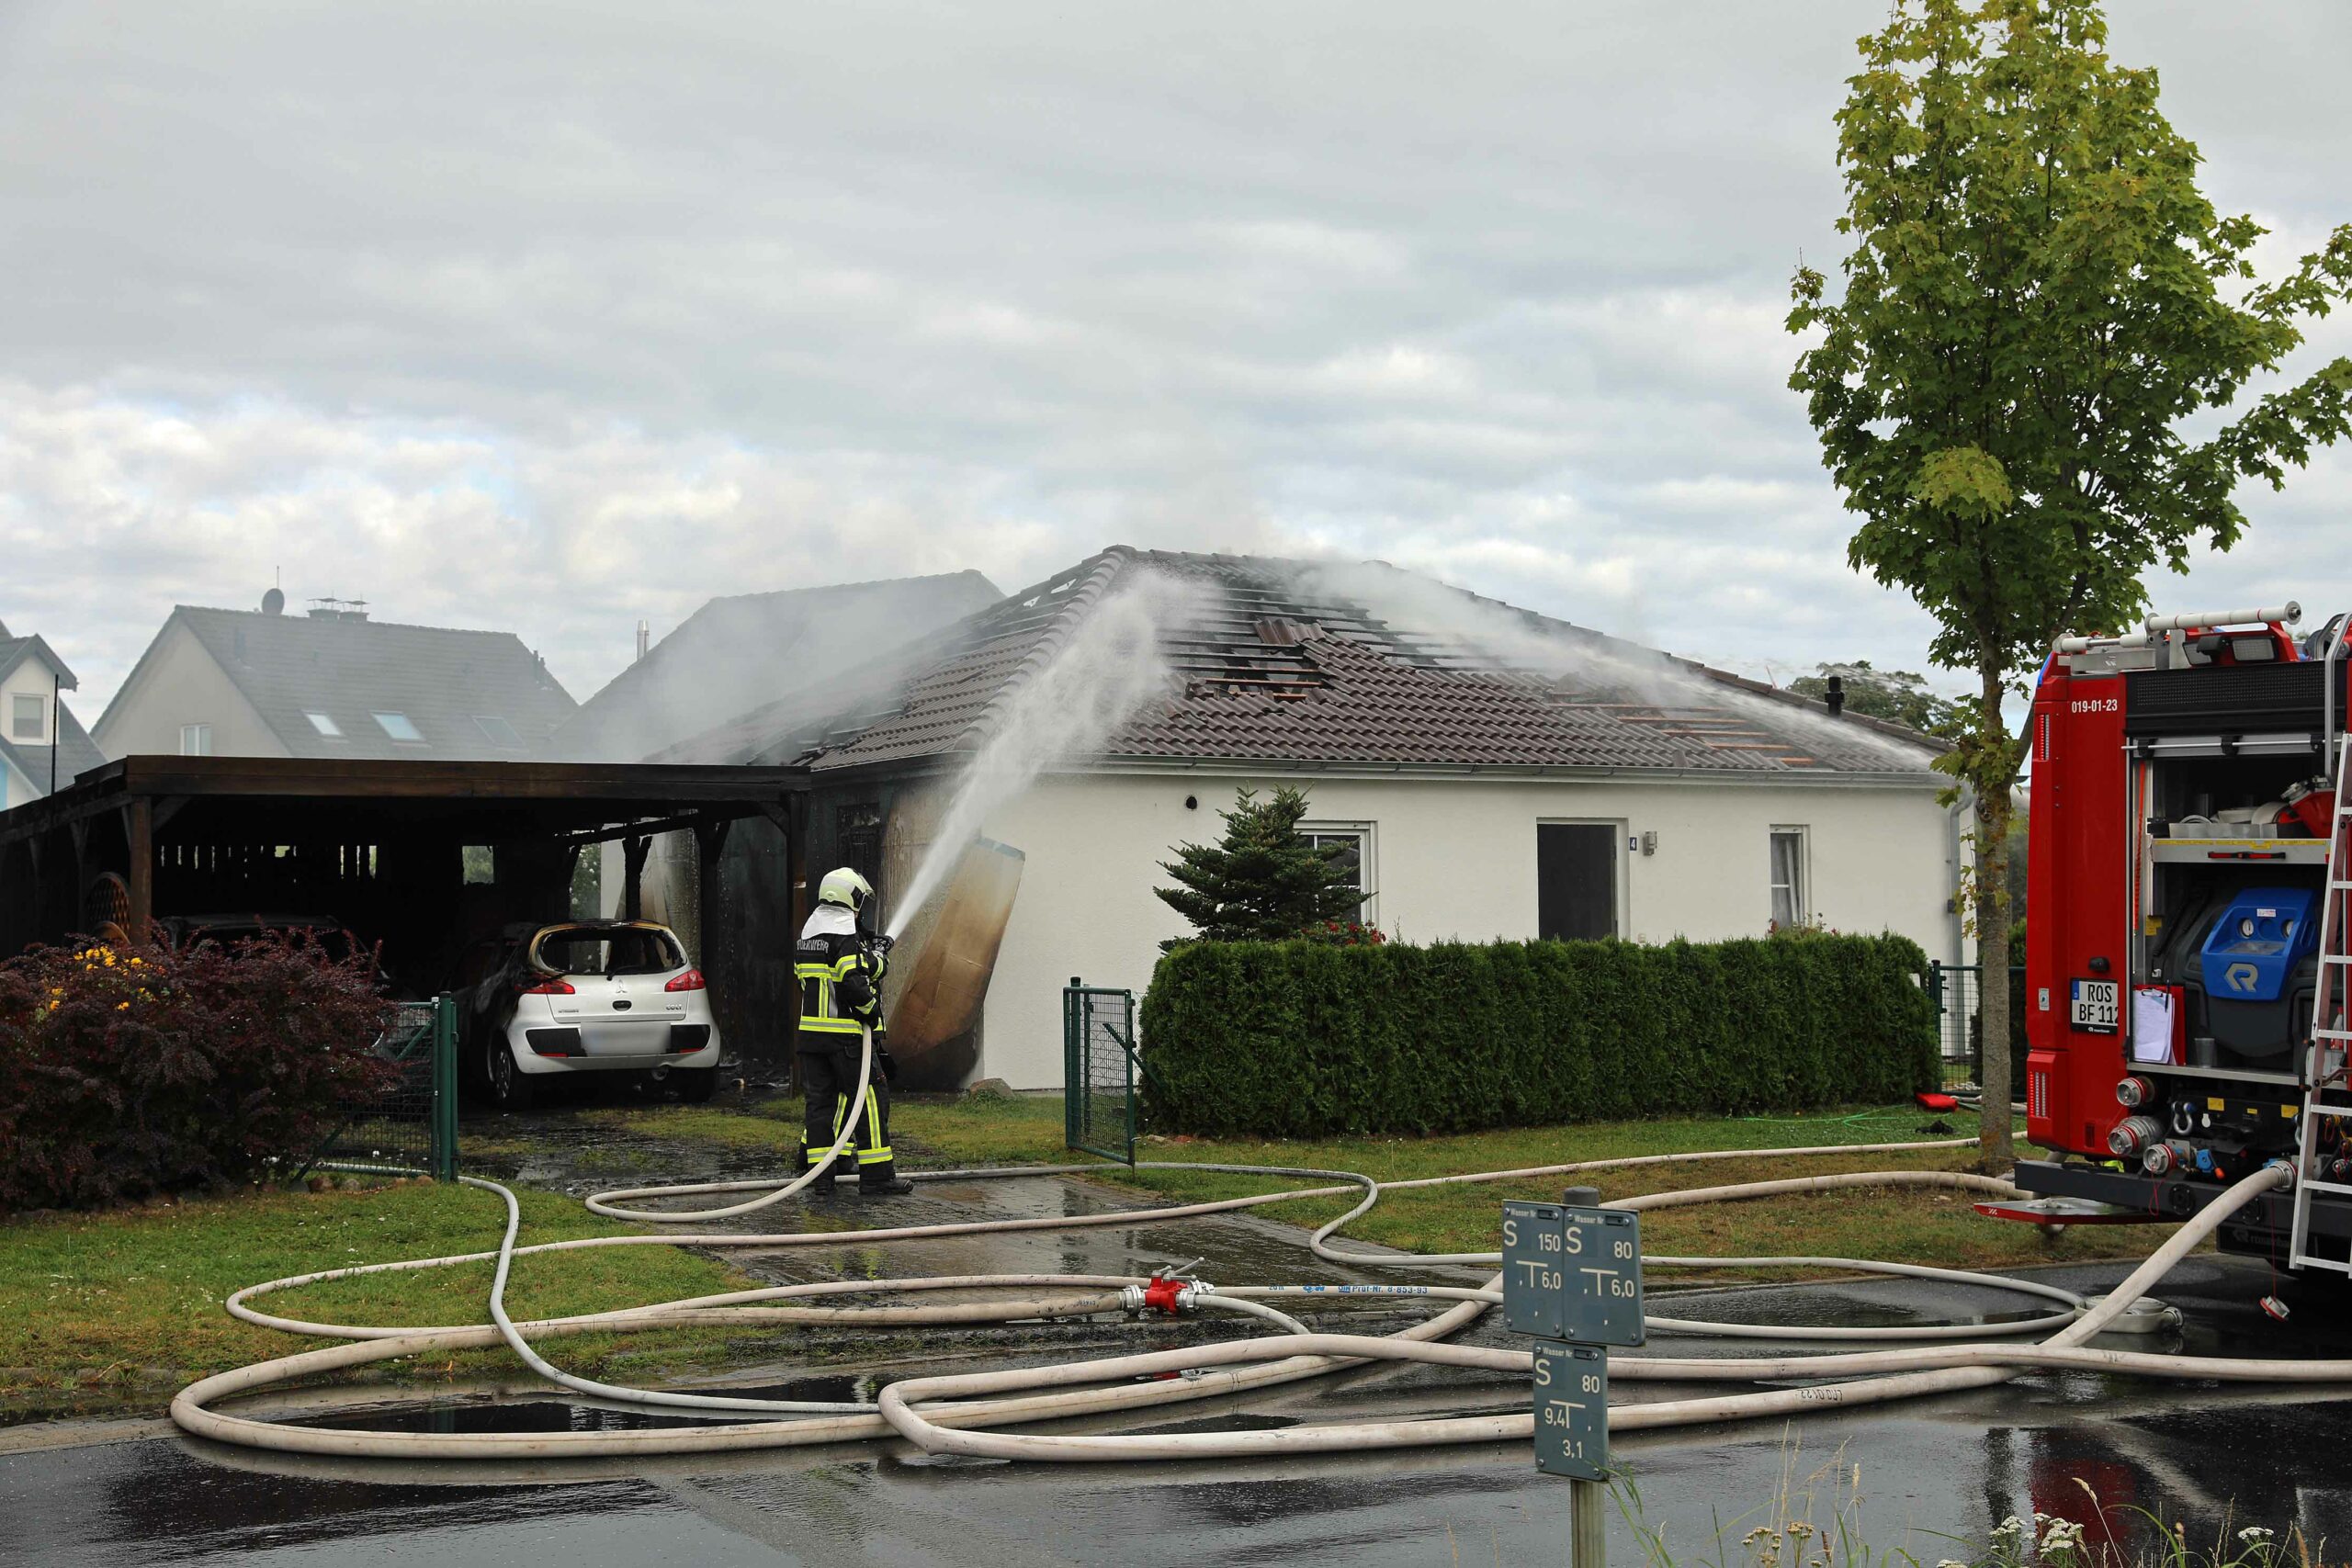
column 633, row 852
column 711, row 839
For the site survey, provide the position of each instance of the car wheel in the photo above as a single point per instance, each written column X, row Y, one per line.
column 510, row 1087
column 695, row 1084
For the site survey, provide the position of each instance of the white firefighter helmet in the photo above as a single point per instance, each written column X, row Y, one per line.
column 846, row 888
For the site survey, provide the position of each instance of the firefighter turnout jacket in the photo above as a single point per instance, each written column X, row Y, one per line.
column 840, row 975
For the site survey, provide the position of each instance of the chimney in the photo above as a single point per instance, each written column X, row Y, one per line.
column 1834, row 695
column 644, row 638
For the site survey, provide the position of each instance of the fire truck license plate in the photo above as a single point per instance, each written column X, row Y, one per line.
column 2098, row 1004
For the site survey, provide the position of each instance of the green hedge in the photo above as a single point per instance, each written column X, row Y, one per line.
column 1300, row 1039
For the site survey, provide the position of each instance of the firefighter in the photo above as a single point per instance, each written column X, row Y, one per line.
column 839, row 969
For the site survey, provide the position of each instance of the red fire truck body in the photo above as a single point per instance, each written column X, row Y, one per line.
column 2183, row 845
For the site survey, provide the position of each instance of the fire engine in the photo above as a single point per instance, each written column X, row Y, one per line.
column 2188, row 882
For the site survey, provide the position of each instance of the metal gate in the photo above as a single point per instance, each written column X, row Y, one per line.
column 1099, row 1070
column 413, row 1124
column 1957, row 991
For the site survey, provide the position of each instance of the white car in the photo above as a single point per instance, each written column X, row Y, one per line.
column 593, row 997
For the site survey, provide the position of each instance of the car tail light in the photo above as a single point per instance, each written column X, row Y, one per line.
column 690, row 981
column 557, row 986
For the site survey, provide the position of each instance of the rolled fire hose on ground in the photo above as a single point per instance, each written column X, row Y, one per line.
column 940, row 1415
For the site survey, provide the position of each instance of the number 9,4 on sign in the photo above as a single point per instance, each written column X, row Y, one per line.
column 1571, row 1405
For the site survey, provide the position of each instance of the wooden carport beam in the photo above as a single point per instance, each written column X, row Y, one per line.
column 633, row 852
column 710, row 837
column 139, row 828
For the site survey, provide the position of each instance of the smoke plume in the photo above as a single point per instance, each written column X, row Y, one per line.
column 1087, row 690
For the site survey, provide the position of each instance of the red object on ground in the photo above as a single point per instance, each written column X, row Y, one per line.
column 1933, row 1101
column 1162, row 1293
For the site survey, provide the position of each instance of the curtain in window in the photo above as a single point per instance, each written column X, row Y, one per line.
column 1788, row 896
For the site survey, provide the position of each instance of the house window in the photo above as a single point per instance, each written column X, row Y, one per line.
column 1575, row 880
column 1789, row 906
column 398, row 726
column 27, row 716
column 325, row 725
column 196, row 741
column 497, row 731
column 1354, row 841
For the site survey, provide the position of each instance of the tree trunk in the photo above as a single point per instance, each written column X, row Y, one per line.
column 1996, row 1153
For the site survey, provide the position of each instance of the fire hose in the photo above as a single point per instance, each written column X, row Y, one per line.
column 962, row 1413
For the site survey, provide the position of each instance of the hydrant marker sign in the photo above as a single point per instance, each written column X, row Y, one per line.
column 1572, row 1410
column 1573, row 1274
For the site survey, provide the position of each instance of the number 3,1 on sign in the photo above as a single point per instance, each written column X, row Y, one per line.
column 1572, row 1410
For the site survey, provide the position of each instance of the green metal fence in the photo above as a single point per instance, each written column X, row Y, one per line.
column 1099, row 1070
column 413, row 1126
column 1958, row 990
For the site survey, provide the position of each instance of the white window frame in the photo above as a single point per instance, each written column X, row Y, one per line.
column 1367, row 838
column 39, row 735
column 1621, row 872
column 1801, row 895
column 196, row 741
column 416, row 737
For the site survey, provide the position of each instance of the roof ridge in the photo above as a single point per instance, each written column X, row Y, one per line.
column 364, row 621
column 1113, row 560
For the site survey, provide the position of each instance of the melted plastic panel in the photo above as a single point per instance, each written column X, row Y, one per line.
column 934, row 1019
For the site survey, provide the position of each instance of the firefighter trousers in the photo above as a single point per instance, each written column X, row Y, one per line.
column 828, row 1076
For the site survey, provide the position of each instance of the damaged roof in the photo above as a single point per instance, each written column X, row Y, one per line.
column 741, row 650
column 1324, row 664
column 381, row 689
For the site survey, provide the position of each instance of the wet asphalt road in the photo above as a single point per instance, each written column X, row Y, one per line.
column 1924, row 1472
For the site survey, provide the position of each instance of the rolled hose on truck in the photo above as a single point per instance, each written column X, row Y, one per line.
column 963, row 1414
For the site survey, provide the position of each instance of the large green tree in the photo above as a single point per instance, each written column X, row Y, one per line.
column 2039, row 380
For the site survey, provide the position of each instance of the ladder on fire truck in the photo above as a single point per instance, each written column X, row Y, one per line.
column 2327, row 1096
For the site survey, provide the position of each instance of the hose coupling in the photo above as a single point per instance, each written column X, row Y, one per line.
column 1165, row 1292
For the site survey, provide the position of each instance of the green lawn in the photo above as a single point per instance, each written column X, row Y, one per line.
column 100, row 1299
column 1908, row 1225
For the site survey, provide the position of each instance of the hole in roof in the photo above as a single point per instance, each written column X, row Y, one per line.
column 1032, row 602
column 1063, row 587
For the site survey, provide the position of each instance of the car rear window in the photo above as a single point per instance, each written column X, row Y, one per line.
column 591, row 950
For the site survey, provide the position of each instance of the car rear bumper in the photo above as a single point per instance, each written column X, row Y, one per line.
column 634, row 1047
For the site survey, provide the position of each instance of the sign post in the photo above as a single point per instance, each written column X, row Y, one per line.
column 1572, row 1278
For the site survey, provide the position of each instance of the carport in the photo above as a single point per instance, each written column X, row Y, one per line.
column 382, row 847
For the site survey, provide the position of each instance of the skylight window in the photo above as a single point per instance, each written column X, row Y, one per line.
column 398, row 727
column 325, row 725
column 497, row 731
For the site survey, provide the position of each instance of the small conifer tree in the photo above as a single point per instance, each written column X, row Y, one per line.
column 1262, row 882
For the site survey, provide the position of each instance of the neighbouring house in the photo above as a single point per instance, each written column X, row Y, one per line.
column 331, row 683
column 40, row 737
column 1492, row 773
column 734, row 654
column 740, row 651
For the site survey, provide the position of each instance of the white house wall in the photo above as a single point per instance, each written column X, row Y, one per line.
column 179, row 682
column 1453, row 859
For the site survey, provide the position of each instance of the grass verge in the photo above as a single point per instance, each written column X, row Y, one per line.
column 1903, row 1225
column 131, row 1298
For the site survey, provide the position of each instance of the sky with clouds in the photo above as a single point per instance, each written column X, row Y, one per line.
column 555, row 317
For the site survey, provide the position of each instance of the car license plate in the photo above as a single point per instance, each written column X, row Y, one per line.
column 2098, row 1005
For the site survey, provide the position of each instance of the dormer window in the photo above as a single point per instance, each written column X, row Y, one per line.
column 28, row 716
